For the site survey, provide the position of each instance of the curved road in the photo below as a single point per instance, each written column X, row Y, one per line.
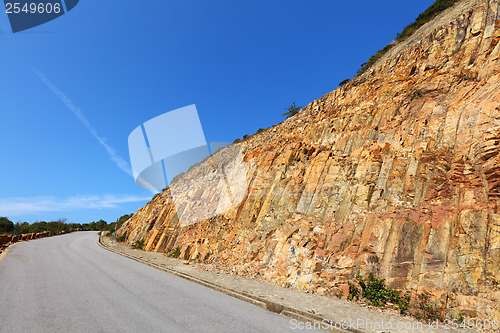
column 70, row 284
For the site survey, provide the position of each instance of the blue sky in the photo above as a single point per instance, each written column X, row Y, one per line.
column 122, row 63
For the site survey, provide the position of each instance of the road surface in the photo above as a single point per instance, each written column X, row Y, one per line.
column 70, row 284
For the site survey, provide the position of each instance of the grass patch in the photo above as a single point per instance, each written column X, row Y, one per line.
column 430, row 13
column 373, row 59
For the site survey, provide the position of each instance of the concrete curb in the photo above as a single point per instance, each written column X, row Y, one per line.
column 4, row 252
column 284, row 310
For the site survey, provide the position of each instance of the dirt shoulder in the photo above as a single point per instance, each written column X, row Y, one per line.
column 335, row 315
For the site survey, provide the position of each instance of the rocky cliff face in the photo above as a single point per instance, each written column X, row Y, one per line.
column 396, row 173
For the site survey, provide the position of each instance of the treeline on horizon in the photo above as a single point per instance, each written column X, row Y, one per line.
column 58, row 226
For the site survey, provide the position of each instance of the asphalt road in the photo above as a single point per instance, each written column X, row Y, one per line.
column 70, row 284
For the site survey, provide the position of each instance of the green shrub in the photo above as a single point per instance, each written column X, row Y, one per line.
column 377, row 294
column 120, row 238
column 373, row 289
column 175, row 253
column 139, row 244
column 344, row 82
column 403, row 303
column 292, row 110
column 260, row 130
column 353, row 291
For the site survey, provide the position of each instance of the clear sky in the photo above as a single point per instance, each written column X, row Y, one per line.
column 74, row 88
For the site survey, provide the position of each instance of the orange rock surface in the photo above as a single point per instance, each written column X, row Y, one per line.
column 396, row 173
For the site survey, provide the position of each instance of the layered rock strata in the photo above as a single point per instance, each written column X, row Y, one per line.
column 396, row 173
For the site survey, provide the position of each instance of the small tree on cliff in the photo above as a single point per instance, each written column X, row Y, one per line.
column 292, row 110
column 344, row 82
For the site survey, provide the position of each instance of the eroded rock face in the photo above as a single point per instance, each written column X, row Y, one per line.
column 396, row 173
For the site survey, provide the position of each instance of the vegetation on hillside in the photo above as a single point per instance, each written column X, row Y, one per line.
column 430, row 13
column 248, row 136
column 111, row 227
column 437, row 7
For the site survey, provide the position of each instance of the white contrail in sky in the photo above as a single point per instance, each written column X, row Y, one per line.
column 119, row 161
column 36, row 205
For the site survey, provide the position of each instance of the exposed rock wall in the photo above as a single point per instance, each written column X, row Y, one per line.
column 396, row 173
